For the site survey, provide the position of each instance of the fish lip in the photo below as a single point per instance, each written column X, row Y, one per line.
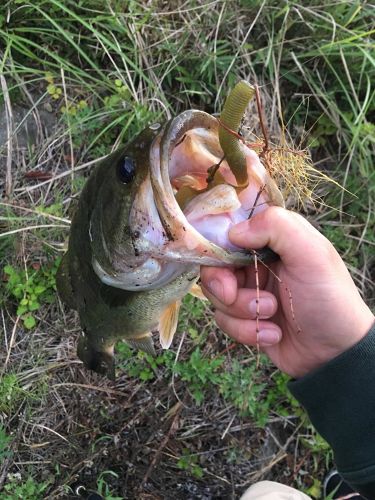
column 176, row 226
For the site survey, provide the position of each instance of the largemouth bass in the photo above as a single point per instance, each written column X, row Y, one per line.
column 145, row 222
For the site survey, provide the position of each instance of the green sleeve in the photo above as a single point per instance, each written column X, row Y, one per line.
column 339, row 398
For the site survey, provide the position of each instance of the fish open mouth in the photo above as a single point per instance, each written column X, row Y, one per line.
column 179, row 220
column 195, row 215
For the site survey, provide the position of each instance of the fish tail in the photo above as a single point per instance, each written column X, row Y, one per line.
column 101, row 361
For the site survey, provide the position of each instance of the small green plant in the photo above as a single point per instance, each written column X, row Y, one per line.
column 255, row 395
column 5, row 441
column 318, row 445
column 241, row 387
column 315, row 490
column 56, row 209
column 53, row 90
column 278, row 398
column 28, row 490
column 104, row 488
column 31, row 288
column 200, row 372
column 190, row 319
column 323, row 131
column 141, row 365
column 121, row 94
column 12, row 394
column 189, row 463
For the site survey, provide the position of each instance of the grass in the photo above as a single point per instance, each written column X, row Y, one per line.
column 85, row 78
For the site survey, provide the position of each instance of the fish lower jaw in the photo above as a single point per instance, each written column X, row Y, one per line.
column 152, row 274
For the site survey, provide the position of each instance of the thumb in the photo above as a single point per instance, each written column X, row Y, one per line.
column 286, row 233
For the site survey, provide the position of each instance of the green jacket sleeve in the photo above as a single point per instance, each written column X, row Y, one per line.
column 339, row 398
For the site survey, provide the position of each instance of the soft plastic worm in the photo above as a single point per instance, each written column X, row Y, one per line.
column 233, row 111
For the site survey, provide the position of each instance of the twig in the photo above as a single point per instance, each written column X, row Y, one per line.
column 163, row 444
column 92, row 387
column 9, row 142
column 262, row 188
column 45, row 428
column 69, row 127
column 232, row 132
column 60, row 176
column 228, row 427
column 281, row 455
column 29, row 228
column 299, row 465
column 212, row 171
column 11, row 343
column 261, row 119
column 174, row 364
column 257, row 314
column 37, row 212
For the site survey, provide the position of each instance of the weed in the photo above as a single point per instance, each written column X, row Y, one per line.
column 5, row 441
column 190, row 463
column 141, row 365
column 315, row 490
column 200, row 372
column 103, row 487
column 240, row 387
column 257, row 396
column 31, row 489
column 31, row 288
column 318, row 446
column 13, row 393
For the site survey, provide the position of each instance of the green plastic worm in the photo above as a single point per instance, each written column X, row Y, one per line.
column 233, row 111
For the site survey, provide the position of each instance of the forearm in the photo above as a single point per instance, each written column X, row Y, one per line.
column 340, row 400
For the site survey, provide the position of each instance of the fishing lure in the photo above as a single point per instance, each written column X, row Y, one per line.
column 230, row 119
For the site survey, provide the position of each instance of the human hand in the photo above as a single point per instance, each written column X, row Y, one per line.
column 328, row 309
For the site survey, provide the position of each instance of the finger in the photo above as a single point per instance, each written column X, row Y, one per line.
column 285, row 232
column 250, row 276
column 240, row 274
column 221, row 282
column 245, row 330
column 246, row 304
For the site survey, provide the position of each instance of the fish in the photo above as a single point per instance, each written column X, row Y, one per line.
column 146, row 220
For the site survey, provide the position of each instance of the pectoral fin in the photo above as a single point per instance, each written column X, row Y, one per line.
column 168, row 324
column 196, row 291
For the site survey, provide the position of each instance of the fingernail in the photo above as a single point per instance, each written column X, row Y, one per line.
column 217, row 289
column 268, row 337
column 265, row 307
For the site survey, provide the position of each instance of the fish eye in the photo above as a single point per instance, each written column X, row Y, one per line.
column 126, row 170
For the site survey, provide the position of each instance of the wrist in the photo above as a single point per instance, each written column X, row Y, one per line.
column 345, row 339
column 340, row 392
